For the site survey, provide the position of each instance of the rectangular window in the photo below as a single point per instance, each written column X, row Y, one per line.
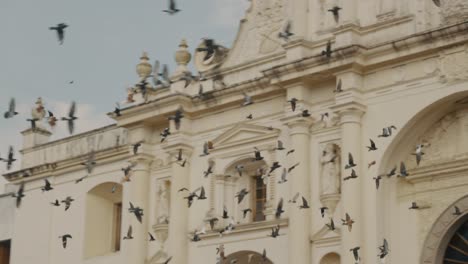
column 259, row 199
column 117, row 226
column 5, row 252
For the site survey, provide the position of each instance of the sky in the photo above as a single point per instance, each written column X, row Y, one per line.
column 102, row 46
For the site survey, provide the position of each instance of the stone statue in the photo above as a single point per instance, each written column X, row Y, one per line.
column 38, row 112
column 330, row 173
column 163, row 204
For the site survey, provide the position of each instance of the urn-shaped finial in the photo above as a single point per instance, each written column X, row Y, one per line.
column 182, row 55
column 144, row 68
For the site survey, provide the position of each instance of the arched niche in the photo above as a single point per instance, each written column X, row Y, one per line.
column 437, row 245
column 246, row 257
column 331, row 258
column 102, row 230
column 436, row 126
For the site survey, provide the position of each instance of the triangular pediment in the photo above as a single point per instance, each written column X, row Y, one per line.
column 244, row 134
column 325, row 235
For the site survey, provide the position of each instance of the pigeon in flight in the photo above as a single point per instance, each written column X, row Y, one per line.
column 151, row 237
column 351, row 163
column 377, row 181
column 403, row 172
column 372, row 163
column 51, row 119
column 336, row 13
column 283, row 176
column 137, row 211
column 210, row 168
column 65, row 239
column 212, row 222
column 293, row 103
column 47, row 187
column 206, row 148
column 274, row 166
column 172, row 8
column 384, row 249
column 19, row 195
column 331, row 226
column 11, row 109
column 294, row 199
column 286, row 33
column 90, row 163
column 348, row 222
column 71, row 118
column 457, row 210
column 202, row 195
column 418, row 153
column 352, row 176
column 247, row 100
column 322, row 211
column 328, row 51
column 305, row 204
column 275, row 231
column 177, row 117
column 167, row 260
column 414, row 205
column 241, row 194
column 56, row 203
column 355, row 253
column 279, row 209
column 225, row 212
column 10, row 159
column 372, row 146
column 305, row 113
column 387, row 131
column 164, row 134
column 210, row 48
column 136, row 146
column 250, row 117
column 436, row 2
column 290, row 152
column 293, row 167
column 191, row 196
column 67, row 202
column 129, row 233
column 245, row 211
column 392, row 172
column 60, row 28
column 239, row 168
column 279, row 145
column 258, row 154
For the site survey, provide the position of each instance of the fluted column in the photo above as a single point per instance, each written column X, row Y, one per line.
column 350, row 121
column 299, row 181
column 179, row 211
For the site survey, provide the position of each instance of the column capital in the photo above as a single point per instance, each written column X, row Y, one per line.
column 298, row 124
column 172, row 148
column 351, row 111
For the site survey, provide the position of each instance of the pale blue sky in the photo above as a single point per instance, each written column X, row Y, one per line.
column 102, row 46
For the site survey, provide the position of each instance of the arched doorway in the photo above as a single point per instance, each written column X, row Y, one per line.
column 457, row 248
column 246, row 257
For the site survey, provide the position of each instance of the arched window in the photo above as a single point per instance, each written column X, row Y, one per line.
column 331, row 258
column 254, row 184
column 457, row 248
column 103, row 219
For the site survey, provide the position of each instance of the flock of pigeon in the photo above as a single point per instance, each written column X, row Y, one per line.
column 210, row 48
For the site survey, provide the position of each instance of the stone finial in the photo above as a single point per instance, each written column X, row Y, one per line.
column 144, row 68
column 182, row 57
column 38, row 112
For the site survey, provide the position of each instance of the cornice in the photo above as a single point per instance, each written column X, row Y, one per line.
column 445, row 169
column 69, row 165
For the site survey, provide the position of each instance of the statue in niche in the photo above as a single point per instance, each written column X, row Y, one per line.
column 163, row 204
column 330, row 173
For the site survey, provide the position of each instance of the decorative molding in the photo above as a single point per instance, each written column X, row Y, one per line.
column 243, row 134
column 452, row 63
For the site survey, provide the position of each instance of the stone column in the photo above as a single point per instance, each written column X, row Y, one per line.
column 299, row 181
column 179, row 211
column 350, row 121
column 138, row 190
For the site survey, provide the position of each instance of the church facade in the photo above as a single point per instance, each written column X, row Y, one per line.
column 288, row 121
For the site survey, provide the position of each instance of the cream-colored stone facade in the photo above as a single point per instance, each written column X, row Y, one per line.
column 400, row 63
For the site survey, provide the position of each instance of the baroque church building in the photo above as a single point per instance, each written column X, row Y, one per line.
column 271, row 120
